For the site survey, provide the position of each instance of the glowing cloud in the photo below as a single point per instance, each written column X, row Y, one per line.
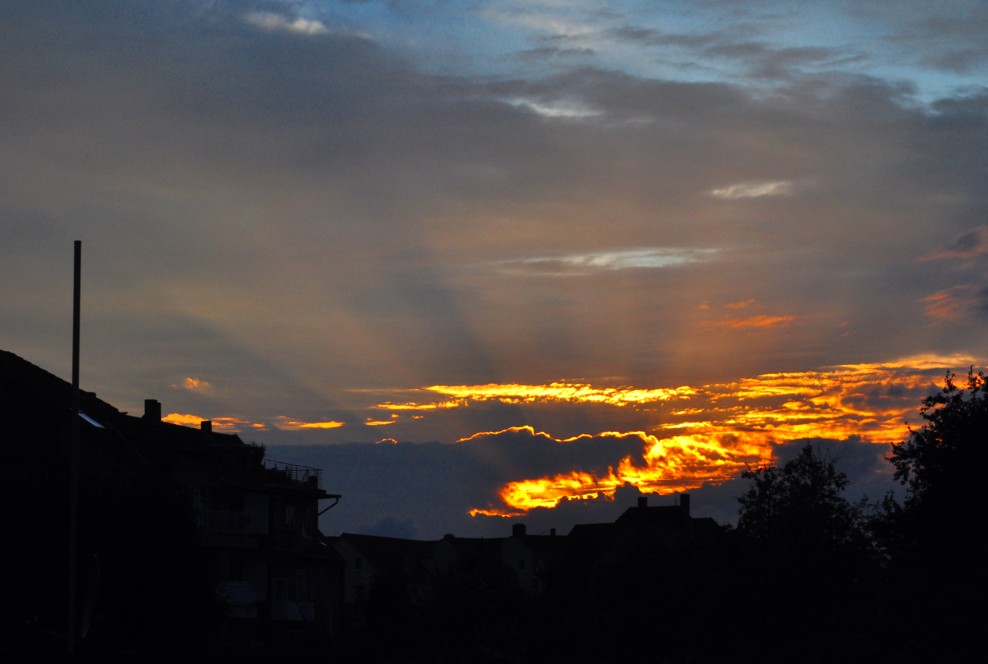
column 411, row 405
column 668, row 465
column 754, row 190
column 562, row 392
column 289, row 424
column 520, row 429
column 381, row 423
column 728, row 426
column 196, row 384
column 184, row 419
column 231, row 424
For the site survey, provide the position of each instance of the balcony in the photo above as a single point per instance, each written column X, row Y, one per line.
column 306, row 475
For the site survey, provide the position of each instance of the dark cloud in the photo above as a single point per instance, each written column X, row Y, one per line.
column 525, row 453
column 432, row 486
column 426, row 490
column 970, row 244
column 866, row 465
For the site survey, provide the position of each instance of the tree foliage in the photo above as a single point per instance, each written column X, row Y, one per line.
column 934, row 539
column 805, row 561
column 800, row 504
column 942, row 462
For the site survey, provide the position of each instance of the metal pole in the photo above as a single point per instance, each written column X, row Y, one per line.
column 73, row 626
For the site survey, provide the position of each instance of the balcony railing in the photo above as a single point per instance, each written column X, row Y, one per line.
column 296, row 473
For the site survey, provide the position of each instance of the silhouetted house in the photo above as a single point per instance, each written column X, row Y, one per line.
column 669, row 525
column 530, row 555
column 452, row 553
column 279, row 585
column 417, row 565
column 660, row 529
column 403, row 569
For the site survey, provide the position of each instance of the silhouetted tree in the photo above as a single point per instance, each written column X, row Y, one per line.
column 801, row 506
column 933, row 538
column 807, row 563
column 944, row 461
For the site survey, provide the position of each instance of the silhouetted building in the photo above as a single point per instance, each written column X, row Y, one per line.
column 670, row 525
column 529, row 556
column 279, row 586
column 370, row 562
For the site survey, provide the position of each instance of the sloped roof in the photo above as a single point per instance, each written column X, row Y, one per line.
column 390, row 553
column 669, row 516
column 36, row 416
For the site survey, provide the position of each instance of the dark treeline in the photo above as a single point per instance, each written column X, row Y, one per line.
column 806, row 576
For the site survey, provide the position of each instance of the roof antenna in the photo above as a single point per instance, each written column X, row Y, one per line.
column 74, row 461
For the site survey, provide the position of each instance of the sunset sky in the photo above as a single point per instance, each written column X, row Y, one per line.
column 546, row 254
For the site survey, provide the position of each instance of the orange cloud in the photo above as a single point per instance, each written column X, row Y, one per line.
column 952, row 303
column 381, row 423
column 562, row 391
column 759, row 321
column 674, row 464
column 231, row 424
column 496, row 512
column 412, row 405
column 289, row 424
column 195, row 384
column 185, row 419
column 732, row 426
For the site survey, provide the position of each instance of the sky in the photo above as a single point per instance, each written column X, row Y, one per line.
column 489, row 261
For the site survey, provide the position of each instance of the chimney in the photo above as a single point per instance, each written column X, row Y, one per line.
column 518, row 530
column 684, row 503
column 206, row 425
column 642, row 502
column 152, row 410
